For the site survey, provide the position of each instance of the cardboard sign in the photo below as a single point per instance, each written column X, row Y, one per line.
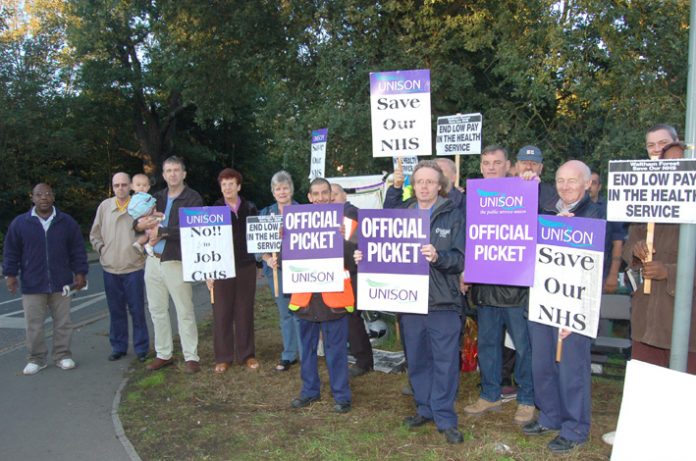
column 207, row 251
column 501, row 231
column 459, row 134
column 408, row 164
column 263, row 233
column 312, row 256
column 400, row 109
column 318, row 153
column 662, row 191
column 393, row 275
column 567, row 290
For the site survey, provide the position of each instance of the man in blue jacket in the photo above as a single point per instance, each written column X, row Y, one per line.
column 44, row 246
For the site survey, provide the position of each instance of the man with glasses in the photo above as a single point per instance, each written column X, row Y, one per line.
column 112, row 237
column 44, row 247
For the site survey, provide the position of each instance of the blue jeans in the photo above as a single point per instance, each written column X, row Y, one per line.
column 432, row 345
column 491, row 321
column 335, row 336
column 125, row 293
column 289, row 324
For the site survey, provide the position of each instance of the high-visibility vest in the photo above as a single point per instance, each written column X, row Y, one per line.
column 334, row 299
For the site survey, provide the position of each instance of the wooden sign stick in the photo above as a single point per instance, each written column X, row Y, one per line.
column 275, row 279
column 212, row 294
column 649, row 241
column 559, row 346
column 456, row 162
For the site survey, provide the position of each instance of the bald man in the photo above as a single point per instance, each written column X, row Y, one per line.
column 112, row 237
column 562, row 389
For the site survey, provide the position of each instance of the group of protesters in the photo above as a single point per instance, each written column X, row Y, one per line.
column 137, row 238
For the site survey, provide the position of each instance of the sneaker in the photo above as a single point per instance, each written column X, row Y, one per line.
column 354, row 371
column 609, row 437
column 524, row 413
column 508, row 393
column 66, row 364
column 344, row 407
column 482, row 406
column 33, row 368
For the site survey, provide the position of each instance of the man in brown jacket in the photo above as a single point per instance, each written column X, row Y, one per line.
column 652, row 314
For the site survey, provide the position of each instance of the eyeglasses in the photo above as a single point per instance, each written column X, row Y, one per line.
column 426, row 182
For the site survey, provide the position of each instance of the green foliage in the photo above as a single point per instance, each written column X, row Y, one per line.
column 88, row 88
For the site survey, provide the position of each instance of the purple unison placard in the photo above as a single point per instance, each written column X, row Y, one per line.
column 399, row 82
column 501, row 231
column 393, row 276
column 205, row 216
column 390, row 241
column 312, row 248
column 312, row 231
column 320, row 135
column 579, row 233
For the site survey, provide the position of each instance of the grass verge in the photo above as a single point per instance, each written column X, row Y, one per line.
column 246, row 415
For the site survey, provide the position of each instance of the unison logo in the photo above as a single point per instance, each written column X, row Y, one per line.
column 560, row 232
column 303, row 274
column 202, row 217
column 386, row 292
column 397, row 83
column 488, row 199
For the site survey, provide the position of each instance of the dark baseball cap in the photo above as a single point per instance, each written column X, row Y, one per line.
column 532, row 153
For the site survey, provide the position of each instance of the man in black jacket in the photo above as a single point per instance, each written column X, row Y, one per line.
column 501, row 306
column 164, row 272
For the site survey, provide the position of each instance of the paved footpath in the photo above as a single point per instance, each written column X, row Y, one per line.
column 67, row 415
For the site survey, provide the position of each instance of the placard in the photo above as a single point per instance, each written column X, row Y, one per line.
column 501, row 231
column 207, row 252
column 263, row 233
column 400, row 109
column 312, row 248
column 393, row 276
column 662, row 191
column 408, row 164
column 459, row 134
column 318, row 153
column 567, row 290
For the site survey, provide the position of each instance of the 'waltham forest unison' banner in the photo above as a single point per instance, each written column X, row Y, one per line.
column 567, row 290
column 206, row 243
column 318, row 154
column 400, row 109
column 501, row 231
column 393, row 275
column 312, row 248
column 661, row 191
column 263, row 233
column 459, row 134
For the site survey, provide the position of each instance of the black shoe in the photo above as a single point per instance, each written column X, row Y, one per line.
column 302, row 402
column 563, row 445
column 416, row 421
column 142, row 357
column 284, row 365
column 342, row 407
column 116, row 356
column 452, row 435
column 356, row 371
column 534, row 428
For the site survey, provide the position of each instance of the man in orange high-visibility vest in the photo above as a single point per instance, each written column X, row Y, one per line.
column 325, row 312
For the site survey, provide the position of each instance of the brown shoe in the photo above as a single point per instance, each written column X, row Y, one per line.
column 482, row 406
column 221, row 367
column 191, row 367
column 524, row 414
column 159, row 363
column 252, row 364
